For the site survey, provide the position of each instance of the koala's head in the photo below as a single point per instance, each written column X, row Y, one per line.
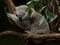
column 21, row 10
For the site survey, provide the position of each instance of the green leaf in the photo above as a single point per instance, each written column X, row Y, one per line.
column 29, row 2
column 51, row 17
column 33, row 11
column 59, row 7
column 35, row 0
column 55, row 16
column 59, row 29
column 42, row 18
column 42, row 8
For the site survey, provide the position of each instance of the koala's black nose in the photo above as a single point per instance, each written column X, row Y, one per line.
column 20, row 18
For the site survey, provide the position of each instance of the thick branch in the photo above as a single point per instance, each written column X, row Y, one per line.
column 18, row 34
column 32, row 35
column 10, row 5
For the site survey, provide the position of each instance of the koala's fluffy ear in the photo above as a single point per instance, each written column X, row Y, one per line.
column 8, row 14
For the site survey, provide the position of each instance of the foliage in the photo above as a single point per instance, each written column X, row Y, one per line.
column 50, row 9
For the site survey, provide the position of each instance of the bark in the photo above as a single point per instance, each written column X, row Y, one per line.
column 10, row 5
column 48, row 37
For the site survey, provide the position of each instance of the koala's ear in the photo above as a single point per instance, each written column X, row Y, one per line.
column 8, row 14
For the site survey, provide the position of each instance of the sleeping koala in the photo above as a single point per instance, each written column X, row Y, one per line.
column 29, row 22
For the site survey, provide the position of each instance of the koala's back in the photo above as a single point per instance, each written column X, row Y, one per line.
column 43, row 28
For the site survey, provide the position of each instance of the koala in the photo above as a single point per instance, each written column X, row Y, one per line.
column 21, row 18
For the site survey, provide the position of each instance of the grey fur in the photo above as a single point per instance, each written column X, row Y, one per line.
column 35, row 27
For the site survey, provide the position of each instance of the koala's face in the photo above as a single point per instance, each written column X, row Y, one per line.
column 21, row 10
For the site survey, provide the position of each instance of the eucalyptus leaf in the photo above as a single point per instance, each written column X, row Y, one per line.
column 55, row 16
column 33, row 11
column 30, row 5
column 59, row 7
column 51, row 16
column 42, row 8
column 42, row 18
column 29, row 2
column 35, row 0
column 59, row 29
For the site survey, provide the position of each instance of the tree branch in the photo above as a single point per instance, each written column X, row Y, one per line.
column 18, row 34
column 31, row 35
column 10, row 5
